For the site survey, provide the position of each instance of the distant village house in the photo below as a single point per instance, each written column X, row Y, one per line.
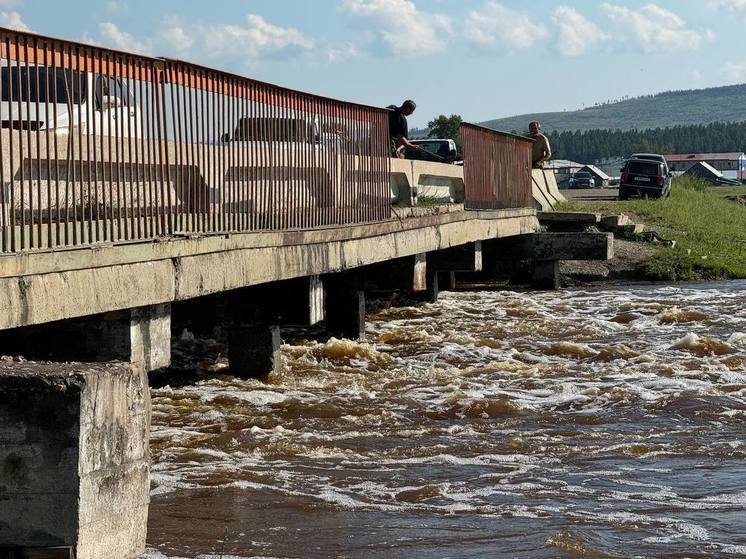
column 731, row 165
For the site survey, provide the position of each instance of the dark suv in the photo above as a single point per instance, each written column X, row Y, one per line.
column 645, row 178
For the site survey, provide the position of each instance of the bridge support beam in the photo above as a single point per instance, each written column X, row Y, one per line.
column 408, row 274
column 540, row 253
column 463, row 258
column 141, row 336
column 75, row 460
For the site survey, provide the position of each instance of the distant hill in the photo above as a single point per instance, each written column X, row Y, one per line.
column 697, row 106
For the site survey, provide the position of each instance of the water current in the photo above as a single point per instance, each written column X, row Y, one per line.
column 581, row 423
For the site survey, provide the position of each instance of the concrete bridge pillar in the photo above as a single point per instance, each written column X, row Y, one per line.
column 447, row 281
column 254, row 350
column 345, row 311
column 141, row 336
column 74, row 460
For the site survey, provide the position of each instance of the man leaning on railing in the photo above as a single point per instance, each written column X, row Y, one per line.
column 398, row 127
column 541, row 150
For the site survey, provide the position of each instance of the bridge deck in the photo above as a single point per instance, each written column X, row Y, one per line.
column 36, row 288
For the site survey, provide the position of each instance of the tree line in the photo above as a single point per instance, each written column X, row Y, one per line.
column 594, row 145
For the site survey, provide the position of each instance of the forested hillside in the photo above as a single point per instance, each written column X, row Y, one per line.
column 592, row 145
column 701, row 106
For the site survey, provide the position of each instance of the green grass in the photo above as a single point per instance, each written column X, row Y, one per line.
column 710, row 231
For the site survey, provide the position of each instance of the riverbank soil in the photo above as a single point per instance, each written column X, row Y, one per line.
column 628, row 264
column 708, row 225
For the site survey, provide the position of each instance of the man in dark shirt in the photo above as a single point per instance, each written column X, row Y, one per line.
column 398, row 126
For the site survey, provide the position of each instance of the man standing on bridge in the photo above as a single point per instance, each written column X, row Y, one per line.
column 398, row 127
column 541, row 150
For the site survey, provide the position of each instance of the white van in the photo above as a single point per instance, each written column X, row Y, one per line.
column 80, row 96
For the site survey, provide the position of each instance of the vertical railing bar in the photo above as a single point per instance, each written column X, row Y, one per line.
column 109, row 158
column 47, row 127
column 238, row 156
column 153, row 152
column 38, row 151
column 165, row 156
column 84, row 236
column 173, row 82
column 251, row 108
column 143, row 170
column 210, row 156
column 157, row 154
column 201, row 147
column 138, row 205
column 20, row 146
column 193, row 166
column 179, row 145
column 131, row 113
column 263, row 128
column 92, row 104
column 204, row 193
column 30, row 155
column 3, row 201
column 233, row 116
column 119, row 127
column 88, row 79
column 235, row 179
column 11, row 170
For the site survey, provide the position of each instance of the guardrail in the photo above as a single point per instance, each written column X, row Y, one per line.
column 497, row 169
column 105, row 146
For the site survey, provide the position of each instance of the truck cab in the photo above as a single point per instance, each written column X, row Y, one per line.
column 34, row 97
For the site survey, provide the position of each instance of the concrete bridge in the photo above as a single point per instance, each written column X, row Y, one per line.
column 170, row 191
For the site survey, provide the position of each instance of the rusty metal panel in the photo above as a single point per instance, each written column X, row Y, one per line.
column 100, row 145
column 497, row 169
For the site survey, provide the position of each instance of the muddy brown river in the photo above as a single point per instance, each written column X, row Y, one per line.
column 577, row 424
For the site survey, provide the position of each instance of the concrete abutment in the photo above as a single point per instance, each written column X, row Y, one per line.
column 75, row 460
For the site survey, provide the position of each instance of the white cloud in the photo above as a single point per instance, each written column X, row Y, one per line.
column 176, row 35
column 111, row 36
column 399, row 27
column 733, row 5
column 256, row 39
column 735, row 73
column 576, row 33
column 652, row 28
column 219, row 44
column 340, row 54
column 12, row 20
column 494, row 25
column 117, row 7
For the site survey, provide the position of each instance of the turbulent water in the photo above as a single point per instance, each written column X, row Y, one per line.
column 598, row 423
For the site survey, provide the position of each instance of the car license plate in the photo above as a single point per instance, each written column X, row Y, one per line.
column 642, row 179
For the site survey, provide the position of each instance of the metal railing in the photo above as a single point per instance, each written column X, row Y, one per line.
column 497, row 169
column 105, row 146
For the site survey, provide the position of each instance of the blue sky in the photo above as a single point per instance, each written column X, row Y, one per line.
column 480, row 58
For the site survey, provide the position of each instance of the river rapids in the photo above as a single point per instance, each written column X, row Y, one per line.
column 580, row 424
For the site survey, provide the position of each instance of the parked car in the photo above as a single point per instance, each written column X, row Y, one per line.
column 650, row 157
column 444, row 148
column 644, row 177
column 582, row 179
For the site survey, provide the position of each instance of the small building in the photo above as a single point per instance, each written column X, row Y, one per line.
column 731, row 165
column 707, row 172
column 602, row 179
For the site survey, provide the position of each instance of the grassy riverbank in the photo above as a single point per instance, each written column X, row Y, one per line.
column 710, row 231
